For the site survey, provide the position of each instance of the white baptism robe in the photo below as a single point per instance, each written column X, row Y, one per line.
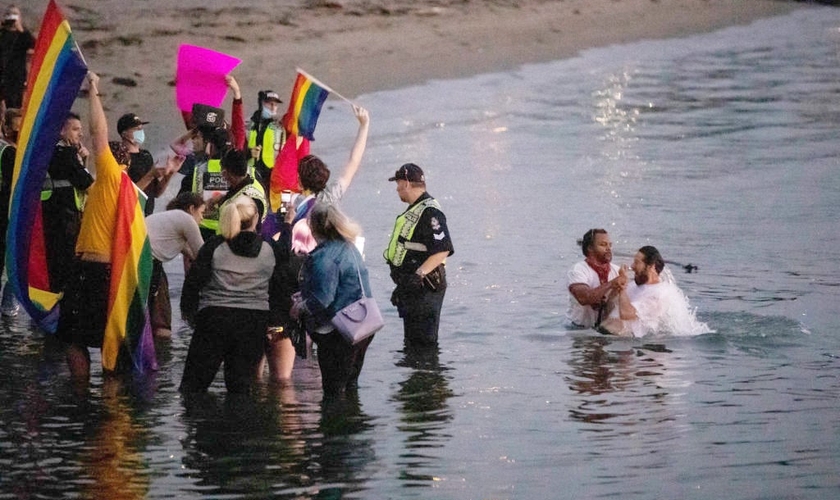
column 661, row 308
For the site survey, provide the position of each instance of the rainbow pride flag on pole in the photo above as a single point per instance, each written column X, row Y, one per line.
column 55, row 77
column 308, row 95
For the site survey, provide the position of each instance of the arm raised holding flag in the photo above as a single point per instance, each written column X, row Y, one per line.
column 308, row 96
column 105, row 305
column 312, row 175
column 358, row 150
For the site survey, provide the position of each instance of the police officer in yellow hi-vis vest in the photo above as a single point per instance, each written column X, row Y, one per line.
column 265, row 136
column 418, row 249
column 207, row 179
column 62, row 201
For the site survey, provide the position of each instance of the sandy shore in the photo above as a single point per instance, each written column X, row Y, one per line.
column 359, row 46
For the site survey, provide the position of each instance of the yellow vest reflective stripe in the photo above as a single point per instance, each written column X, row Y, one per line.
column 273, row 139
column 79, row 196
column 404, row 229
column 214, row 168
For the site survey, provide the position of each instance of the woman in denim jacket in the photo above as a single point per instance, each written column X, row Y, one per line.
column 330, row 281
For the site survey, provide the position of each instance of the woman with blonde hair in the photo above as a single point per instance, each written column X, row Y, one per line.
column 231, row 296
column 333, row 277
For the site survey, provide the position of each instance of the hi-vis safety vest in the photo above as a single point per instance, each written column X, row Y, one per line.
column 272, row 141
column 404, row 229
column 208, row 177
column 79, row 196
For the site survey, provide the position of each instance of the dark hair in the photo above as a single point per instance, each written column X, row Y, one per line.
column 185, row 201
column 220, row 139
column 120, row 152
column 256, row 117
column 589, row 240
column 72, row 116
column 205, row 131
column 313, row 173
column 652, row 258
column 235, row 162
column 11, row 114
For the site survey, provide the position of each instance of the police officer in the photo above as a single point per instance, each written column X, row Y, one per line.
column 265, row 136
column 419, row 246
column 62, row 201
column 207, row 178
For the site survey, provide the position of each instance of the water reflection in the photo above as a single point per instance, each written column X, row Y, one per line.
column 626, row 384
column 603, row 368
column 62, row 438
column 425, row 412
column 341, row 457
column 278, row 442
column 597, row 370
column 112, row 456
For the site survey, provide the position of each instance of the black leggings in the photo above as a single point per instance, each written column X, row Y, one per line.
column 340, row 362
column 226, row 335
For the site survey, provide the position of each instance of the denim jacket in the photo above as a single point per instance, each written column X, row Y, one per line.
column 331, row 281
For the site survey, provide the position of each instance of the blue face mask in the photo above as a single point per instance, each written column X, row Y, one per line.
column 267, row 113
column 139, row 136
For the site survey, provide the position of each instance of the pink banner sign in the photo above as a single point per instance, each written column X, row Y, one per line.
column 200, row 76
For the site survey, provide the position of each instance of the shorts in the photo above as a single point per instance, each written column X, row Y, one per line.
column 83, row 311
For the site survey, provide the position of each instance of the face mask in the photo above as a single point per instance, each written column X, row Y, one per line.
column 267, row 113
column 139, row 136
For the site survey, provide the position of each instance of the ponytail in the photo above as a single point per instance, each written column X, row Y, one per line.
column 237, row 216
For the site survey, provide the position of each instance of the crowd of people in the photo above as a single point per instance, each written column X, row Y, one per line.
column 258, row 275
column 262, row 280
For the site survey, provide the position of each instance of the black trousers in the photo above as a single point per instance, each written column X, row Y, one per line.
column 235, row 337
column 61, row 230
column 419, row 307
column 421, row 317
column 340, row 362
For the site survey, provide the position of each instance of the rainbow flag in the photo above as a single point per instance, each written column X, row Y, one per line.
column 131, row 273
column 308, row 95
column 55, row 77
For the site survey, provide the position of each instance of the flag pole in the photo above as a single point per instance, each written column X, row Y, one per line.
column 323, row 86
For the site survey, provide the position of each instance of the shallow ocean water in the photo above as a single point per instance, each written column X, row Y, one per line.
column 719, row 149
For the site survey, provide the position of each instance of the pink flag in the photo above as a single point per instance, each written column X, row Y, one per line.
column 200, row 77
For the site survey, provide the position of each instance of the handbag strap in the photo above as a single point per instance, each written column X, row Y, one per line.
column 358, row 271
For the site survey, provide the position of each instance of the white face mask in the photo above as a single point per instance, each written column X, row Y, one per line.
column 139, row 137
column 268, row 113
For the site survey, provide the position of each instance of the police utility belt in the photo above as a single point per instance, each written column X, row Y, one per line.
column 432, row 281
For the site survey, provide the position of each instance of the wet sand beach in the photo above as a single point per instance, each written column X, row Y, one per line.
column 360, row 46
